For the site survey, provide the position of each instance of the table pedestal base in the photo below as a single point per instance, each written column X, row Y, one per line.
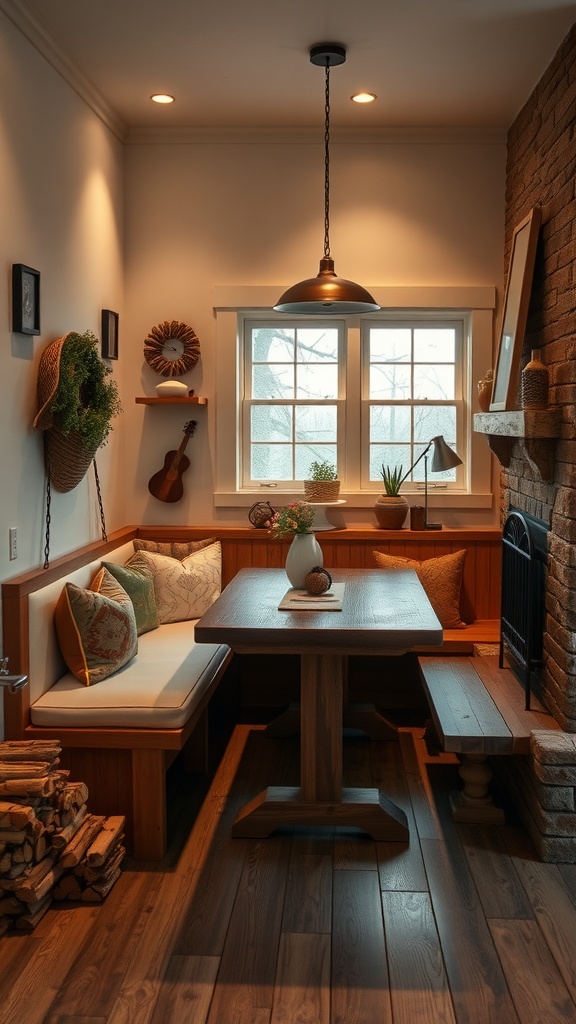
column 367, row 809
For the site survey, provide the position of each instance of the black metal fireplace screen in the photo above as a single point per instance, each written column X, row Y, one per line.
column 524, row 552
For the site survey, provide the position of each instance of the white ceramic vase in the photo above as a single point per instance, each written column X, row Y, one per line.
column 303, row 554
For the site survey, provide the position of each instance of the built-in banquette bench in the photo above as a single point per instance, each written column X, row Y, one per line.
column 125, row 764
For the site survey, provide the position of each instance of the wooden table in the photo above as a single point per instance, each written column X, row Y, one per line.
column 382, row 613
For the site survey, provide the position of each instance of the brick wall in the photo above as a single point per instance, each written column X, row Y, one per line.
column 541, row 169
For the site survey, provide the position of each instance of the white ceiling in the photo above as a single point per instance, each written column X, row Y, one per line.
column 442, row 63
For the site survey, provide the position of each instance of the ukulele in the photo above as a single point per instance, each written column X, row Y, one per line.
column 166, row 484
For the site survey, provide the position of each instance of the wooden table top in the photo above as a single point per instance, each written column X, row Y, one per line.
column 381, row 610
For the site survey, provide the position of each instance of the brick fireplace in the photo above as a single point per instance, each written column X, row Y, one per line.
column 541, row 169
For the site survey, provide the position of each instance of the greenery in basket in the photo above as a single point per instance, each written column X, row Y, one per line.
column 294, row 518
column 392, row 480
column 322, row 471
column 85, row 402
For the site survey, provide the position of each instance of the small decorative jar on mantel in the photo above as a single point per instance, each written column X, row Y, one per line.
column 534, row 383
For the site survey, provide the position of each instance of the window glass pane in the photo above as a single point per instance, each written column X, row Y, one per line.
column 269, row 381
column 270, row 344
column 434, row 345
column 434, row 382
column 389, row 455
column 306, row 454
column 315, row 423
column 317, row 381
column 430, row 420
column 271, row 462
column 390, row 380
column 271, row 423
column 317, row 345
column 392, row 344
column 390, row 423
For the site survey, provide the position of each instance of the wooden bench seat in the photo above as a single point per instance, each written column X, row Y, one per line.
column 478, row 710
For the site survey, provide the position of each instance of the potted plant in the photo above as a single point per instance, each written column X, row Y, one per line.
column 76, row 406
column 323, row 484
column 391, row 507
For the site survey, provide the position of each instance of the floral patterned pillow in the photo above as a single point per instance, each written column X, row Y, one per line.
column 96, row 628
column 184, row 589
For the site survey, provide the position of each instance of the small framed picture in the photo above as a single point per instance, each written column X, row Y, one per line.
column 109, row 334
column 25, row 299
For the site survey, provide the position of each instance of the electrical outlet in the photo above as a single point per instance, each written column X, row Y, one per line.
column 13, row 535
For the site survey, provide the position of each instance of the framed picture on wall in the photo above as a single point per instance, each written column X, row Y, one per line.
column 515, row 314
column 25, row 299
column 109, row 334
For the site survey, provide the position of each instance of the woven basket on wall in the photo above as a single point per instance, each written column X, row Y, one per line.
column 321, row 490
column 67, row 457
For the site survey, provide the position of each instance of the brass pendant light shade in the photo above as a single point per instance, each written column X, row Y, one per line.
column 326, row 293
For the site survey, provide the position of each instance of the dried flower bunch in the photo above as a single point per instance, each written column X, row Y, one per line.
column 294, row 518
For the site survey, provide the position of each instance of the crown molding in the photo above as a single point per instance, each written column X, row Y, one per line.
column 143, row 135
column 38, row 35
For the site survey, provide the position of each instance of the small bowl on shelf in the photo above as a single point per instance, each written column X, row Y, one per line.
column 171, row 389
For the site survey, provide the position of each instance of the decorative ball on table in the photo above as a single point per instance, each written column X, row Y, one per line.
column 318, row 580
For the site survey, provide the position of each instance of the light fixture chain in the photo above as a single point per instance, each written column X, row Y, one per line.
column 327, row 164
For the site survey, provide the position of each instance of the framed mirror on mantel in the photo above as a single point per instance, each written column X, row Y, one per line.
column 515, row 315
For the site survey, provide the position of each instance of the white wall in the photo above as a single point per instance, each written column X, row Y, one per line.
column 61, row 180
column 408, row 211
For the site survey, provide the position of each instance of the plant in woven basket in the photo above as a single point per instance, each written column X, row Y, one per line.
column 322, row 483
column 85, row 402
column 76, row 404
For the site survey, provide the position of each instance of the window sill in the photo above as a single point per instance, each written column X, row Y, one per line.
column 243, row 499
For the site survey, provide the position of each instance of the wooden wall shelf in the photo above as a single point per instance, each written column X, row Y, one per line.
column 172, row 400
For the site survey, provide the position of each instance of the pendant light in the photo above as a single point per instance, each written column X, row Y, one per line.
column 326, row 293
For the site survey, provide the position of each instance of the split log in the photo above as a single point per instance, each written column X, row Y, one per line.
column 103, row 873
column 68, row 888
column 98, row 891
column 23, row 769
column 17, row 815
column 105, row 841
column 61, row 839
column 30, row 750
column 28, row 787
column 27, row 922
column 39, row 881
column 84, row 837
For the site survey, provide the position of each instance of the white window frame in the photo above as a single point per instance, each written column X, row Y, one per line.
column 232, row 305
column 411, row 319
column 247, row 402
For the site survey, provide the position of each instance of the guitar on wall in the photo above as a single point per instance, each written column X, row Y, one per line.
column 166, row 484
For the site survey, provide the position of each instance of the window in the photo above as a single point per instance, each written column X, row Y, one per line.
column 359, row 392
column 412, row 388
column 292, row 410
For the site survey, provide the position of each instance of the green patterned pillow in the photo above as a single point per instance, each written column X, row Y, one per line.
column 96, row 628
column 138, row 582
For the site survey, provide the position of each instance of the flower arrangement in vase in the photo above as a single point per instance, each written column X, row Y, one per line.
column 295, row 520
column 391, row 507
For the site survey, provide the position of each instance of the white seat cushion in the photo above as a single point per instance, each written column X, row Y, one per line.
column 158, row 689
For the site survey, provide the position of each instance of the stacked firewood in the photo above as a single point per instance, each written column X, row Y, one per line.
column 51, row 847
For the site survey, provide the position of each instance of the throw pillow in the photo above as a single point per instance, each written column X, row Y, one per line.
column 441, row 578
column 96, row 628
column 139, row 585
column 184, row 589
column 174, row 548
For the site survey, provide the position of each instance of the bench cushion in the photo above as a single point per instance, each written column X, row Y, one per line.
column 158, row 689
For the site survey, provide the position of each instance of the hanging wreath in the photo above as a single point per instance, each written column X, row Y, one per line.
column 172, row 348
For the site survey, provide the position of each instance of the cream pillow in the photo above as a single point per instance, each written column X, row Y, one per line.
column 183, row 589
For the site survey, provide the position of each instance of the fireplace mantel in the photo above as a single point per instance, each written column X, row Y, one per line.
column 535, row 429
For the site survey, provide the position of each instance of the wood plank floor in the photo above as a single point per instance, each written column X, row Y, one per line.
column 463, row 925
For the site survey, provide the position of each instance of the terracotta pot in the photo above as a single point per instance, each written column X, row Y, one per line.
column 391, row 512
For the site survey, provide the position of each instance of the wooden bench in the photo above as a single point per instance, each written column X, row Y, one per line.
column 478, row 711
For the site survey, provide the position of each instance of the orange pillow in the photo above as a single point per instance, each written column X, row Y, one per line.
column 441, row 578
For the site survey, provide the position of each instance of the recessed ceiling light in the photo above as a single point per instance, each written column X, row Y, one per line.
column 363, row 97
column 162, row 97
